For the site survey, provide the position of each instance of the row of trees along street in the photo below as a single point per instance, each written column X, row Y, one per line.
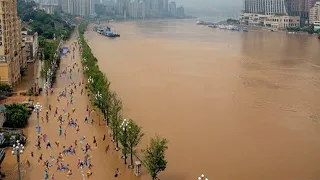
column 127, row 132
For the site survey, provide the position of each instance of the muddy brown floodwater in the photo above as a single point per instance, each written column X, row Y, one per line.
column 234, row 106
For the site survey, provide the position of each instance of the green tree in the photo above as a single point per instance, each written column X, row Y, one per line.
column 154, row 155
column 5, row 87
column 134, row 136
column 16, row 116
column 115, row 117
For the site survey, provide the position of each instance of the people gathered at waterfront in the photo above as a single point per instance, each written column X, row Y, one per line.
column 64, row 113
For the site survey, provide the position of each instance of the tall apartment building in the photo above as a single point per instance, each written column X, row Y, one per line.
column 276, row 7
column 122, row 7
column 148, row 4
column 133, row 8
column 173, row 8
column 254, row 6
column 155, row 5
column 314, row 15
column 10, row 42
column 67, row 6
column 142, row 10
column 78, row 7
column 280, row 7
column 166, row 5
column 180, row 11
column 161, row 5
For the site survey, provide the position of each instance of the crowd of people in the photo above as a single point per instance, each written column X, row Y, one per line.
column 65, row 115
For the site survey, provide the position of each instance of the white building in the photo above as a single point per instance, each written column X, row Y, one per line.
column 253, row 19
column 49, row 9
column 30, row 40
column 314, row 13
column 282, row 22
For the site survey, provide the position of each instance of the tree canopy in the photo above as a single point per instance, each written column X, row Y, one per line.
column 39, row 21
column 16, row 116
column 154, row 155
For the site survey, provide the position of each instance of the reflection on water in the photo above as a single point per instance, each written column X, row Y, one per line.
column 233, row 105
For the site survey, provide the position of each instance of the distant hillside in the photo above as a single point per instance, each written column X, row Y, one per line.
column 45, row 24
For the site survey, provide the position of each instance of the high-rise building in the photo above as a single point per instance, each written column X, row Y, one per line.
column 280, row 7
column 276, row 7
column 254, row 6
column 10, row 43
column 161, row 5
column 142, row 10
column 148, row 5
column 67, row 6
column 122, row 7
column 180, row 11
column 76, row 7
column 166, row 5
column 314, row 15
column 135, row 9
column 173, row 8
column 155, row 5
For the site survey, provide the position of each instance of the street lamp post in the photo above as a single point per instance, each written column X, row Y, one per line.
column 37, row 109
column 99, row 98
column 86, row 68
column 202, row 177
column 90, row 81
column 46, row 89
column 124, row 125
column 17, row 149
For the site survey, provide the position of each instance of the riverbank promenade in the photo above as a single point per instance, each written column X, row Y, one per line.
column 78, row 143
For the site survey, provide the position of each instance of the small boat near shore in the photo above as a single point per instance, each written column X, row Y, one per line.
column 107, row 32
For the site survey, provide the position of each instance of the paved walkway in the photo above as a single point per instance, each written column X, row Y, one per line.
column 104, row 164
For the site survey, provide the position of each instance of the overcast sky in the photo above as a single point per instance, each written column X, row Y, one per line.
column 211, row 3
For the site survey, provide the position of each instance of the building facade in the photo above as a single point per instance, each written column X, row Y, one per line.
column 280, row 7
column 314, row 13
column 276, row 7
column 180, row 11
column 30, row 40
column 10, row 43
column 282, row 22
column 78, row 7
column 173, row 8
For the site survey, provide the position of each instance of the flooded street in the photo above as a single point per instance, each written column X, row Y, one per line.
column 104, row 163
column 233, row 105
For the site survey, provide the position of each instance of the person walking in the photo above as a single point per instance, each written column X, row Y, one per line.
column 46, row 175
column 117, row 172
column 60, row 130
column 48, row 145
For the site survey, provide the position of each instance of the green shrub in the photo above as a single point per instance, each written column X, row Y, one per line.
column 5, row 87
column 16, row 116
column 6, row 93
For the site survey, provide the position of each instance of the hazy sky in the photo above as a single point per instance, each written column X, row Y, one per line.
column 211, row 3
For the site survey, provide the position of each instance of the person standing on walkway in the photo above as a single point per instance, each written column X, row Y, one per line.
column 65, row 134
column 60, row 130
column 46, row 175
column 48, row 145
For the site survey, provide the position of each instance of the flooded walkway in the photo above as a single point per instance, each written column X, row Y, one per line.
column 104, row 164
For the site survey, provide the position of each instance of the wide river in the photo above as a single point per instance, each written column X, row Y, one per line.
column 233, row 105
